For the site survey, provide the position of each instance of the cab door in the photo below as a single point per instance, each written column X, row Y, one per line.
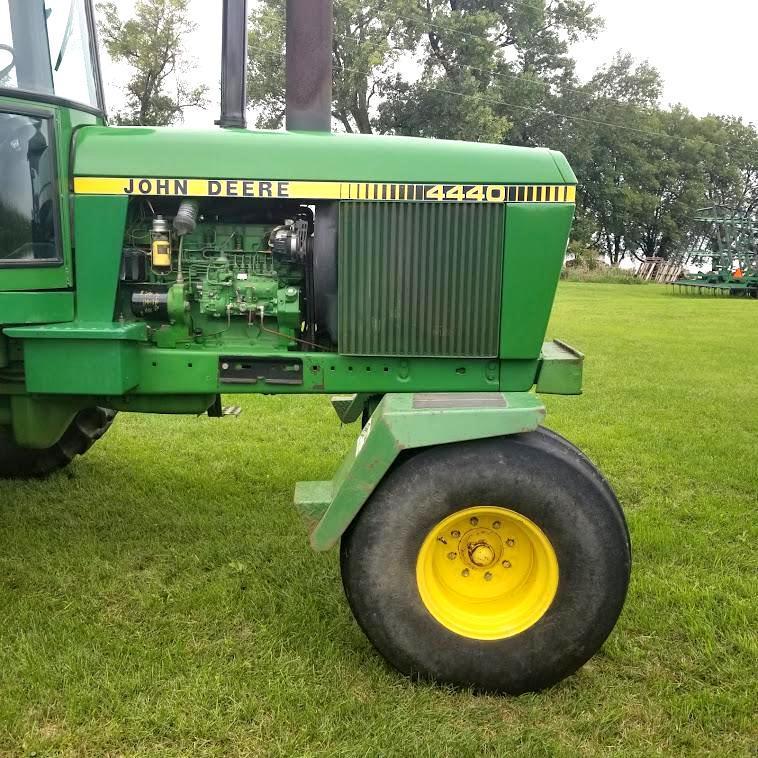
column 34, row 252
column 49, row 87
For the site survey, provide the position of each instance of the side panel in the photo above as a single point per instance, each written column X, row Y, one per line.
column 99, row 234
column 36, row 307
column 536, row 236
column 81, row 367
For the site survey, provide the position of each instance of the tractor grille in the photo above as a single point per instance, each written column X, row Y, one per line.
column 420, row 279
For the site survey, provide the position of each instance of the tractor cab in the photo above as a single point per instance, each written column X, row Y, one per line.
column 49, row 85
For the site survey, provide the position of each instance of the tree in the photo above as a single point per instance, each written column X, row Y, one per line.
column 464, row 54
column 370, row 38
column 640, row 173
column 151, row 43
column 645, row 171
column 732, row 171
column 265, row 63
column 488, row 65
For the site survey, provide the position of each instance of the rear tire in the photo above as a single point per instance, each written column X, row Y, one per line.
column 548, row 530
column 87, row 427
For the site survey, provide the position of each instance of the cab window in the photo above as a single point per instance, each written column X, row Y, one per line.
column 46, row 48
column 27, row 190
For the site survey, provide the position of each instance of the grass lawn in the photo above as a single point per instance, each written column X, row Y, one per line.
column 159, row 598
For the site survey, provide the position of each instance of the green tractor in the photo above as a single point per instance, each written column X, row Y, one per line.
column 152, row 270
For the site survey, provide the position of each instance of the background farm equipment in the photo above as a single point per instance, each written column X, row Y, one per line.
column 724, row 245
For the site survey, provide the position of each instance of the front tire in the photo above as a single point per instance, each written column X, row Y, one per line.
column 500, row 564
column 87, row 427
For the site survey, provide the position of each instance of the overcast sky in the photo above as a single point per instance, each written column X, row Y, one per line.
column 705, row 51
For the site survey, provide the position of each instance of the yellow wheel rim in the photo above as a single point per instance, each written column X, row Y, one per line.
column 487, row 573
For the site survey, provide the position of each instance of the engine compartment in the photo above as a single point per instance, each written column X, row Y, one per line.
column 221, row 271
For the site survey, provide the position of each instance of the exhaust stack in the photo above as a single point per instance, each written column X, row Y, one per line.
column 309, row 66
column 234, row 65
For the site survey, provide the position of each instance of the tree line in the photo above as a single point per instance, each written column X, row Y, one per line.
column 479, row 70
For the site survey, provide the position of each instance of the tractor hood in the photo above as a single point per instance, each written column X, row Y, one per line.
column 310, row 156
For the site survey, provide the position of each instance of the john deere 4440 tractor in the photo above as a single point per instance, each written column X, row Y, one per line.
column 153, row 270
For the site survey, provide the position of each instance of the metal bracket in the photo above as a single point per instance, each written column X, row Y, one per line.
column 350, row 407
column 560, row 370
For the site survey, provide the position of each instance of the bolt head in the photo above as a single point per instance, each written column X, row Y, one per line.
column 510, row 542
column 455, row 533
column 465, row 572
column 487, row 577
column 473, row 521
column 506, row 564
column 452, row 556
column 495, row 524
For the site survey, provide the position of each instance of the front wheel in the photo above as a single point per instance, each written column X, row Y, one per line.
column 499, row 564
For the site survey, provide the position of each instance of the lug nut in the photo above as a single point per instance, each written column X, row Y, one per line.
column 474, row 521
column 487, row 576
column 452, row 556
column 455, row 533
column 506, row 564
column 510, row 542
column 465, row 572
column 495, row 524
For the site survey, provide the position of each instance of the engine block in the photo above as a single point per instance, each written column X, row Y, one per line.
column 249, row 276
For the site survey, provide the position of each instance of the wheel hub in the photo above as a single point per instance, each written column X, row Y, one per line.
column 481, row 554
column 487, row 572
column 479, row 547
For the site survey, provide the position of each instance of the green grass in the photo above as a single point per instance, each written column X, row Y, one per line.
column 160, row 599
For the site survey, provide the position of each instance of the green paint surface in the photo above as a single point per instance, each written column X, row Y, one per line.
column 35, row 307
column 157, row 152
column 81, row 367
column 561, row 369
column 39, row 423
column 99, row 228
column 92, row 356
column 535, row 244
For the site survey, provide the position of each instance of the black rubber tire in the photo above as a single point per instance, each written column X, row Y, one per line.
column 538, row 474
column 87, row 427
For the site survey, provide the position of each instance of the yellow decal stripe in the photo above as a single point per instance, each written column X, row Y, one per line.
column 304, row 190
